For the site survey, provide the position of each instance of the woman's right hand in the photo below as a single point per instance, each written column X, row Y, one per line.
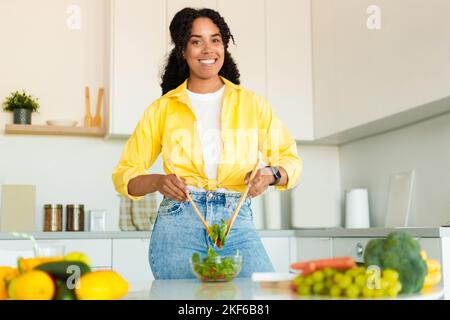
column 171, row 187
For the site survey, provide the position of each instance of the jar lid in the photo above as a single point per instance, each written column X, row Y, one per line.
column 75, row 206
column 53, row 206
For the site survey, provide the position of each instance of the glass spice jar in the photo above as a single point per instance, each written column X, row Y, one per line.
column 53, row 217
column 75, row 217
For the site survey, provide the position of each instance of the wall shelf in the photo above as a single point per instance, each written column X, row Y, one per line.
column 54, row 130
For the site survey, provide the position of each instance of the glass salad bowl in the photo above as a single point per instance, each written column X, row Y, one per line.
column 215, row 268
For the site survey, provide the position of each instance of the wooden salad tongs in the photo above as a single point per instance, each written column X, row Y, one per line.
column 243, row 197
column 205, row 224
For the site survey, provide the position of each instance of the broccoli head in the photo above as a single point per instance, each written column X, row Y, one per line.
column 401, row 252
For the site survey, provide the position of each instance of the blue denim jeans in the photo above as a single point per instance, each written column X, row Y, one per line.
column 178, row 233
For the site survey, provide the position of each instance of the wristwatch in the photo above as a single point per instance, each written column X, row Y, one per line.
column 276, row 174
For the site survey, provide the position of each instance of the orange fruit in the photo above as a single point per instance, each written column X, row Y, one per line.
column 33, row 285
column 28, row 264
column 101, row 285
column 3, row 291
column 5, row 270
column 6, row 275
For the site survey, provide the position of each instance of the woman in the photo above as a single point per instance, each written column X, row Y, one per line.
column 210, row 131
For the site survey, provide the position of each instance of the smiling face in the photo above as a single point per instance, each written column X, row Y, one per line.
column 205, row 50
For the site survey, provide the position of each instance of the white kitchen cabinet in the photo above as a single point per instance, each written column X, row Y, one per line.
column 354, row 247
column 289, row 64
column 312, row 248
column 279, row 252
column 445, row 251
column 350, row 247
column 249, row 52
column 173, row 6
column 272, row 53
column 368, row 67
column 273, row 63
column 130, row 259
column 137, row 53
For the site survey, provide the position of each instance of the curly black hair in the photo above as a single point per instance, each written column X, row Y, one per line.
column 176, row 69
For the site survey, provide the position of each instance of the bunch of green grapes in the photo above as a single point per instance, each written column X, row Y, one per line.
column 350, row 283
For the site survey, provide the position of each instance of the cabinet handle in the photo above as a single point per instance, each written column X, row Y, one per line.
column 359, row 249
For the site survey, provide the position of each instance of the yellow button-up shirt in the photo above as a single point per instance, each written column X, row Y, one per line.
column 248, row 127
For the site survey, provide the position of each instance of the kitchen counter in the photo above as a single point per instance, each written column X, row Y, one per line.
column 119, row 235
column 430, row 232
column 238, row 289
column 426, row 232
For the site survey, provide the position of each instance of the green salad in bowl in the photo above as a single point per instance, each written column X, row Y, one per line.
column 215, row 268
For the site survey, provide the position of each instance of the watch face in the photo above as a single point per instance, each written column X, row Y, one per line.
column 276, row 172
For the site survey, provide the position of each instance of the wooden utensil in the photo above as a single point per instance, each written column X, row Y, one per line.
column 88, row 116
column 241, row 201
column 97, row 122
column 191, row 201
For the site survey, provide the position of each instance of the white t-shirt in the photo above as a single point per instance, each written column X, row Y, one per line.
column 207, row 107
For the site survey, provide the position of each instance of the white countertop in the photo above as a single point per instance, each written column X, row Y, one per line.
column 238, row 289
column 427, row 232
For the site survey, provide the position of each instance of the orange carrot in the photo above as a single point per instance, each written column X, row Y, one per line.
column 308, row 267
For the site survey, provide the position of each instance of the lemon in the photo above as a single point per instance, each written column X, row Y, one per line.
column 120, row 285
column 78, row 256
column 33, row 285
column 101, row 285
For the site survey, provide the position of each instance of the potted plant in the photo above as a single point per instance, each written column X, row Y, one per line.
column 22, row 105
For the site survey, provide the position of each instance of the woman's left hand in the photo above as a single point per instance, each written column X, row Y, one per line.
column 263, row 178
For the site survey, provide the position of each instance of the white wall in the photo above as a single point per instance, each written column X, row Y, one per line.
column 42, row 56
column 316, row 200
column 78, row 170
column 65, row 170
column 424, row 147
